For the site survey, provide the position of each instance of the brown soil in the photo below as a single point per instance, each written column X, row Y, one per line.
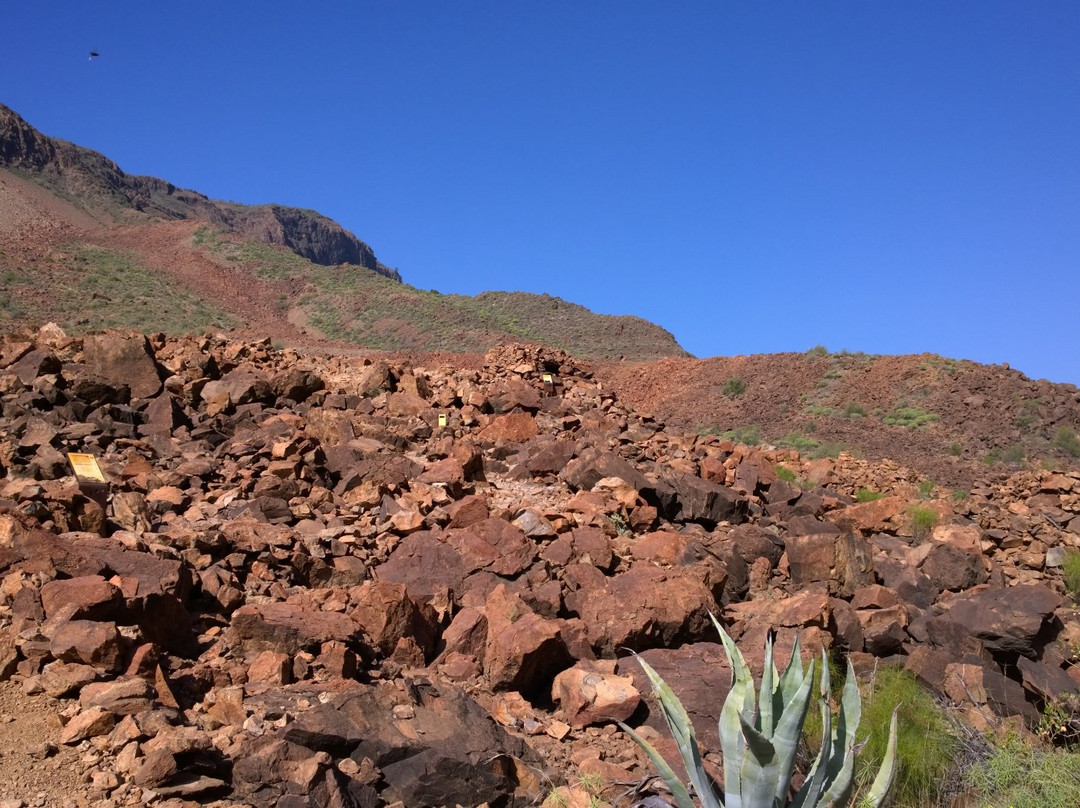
column 37, row 771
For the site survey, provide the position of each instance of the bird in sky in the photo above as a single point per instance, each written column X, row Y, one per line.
column 94, row 55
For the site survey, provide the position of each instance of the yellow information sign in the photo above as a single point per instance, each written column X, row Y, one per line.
column 547, row 379
column 85, row 467
column 442, row 419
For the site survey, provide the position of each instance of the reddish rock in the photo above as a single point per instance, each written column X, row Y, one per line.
column 87, row 724
column 123, row 358
column 493, row 545
column 120, row 697
column 287, row 628
column 90, row 597
column 271, row 667
column 514, row 428
column 88, row 642
column 467, row 511
column 591, row 693
column 387, row 615
column 426, row 565
column 1007, row 620
column 523, row 651
column 647, row 606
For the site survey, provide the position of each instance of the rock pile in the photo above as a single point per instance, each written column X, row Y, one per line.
column 332, row 581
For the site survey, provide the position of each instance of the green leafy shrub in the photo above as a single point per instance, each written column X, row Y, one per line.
column 798, row 442
column 910, row 417
column 734, row 387
column 785, row 474
column 854, row 410
column 760, row 735
column 818, row 350
column 747, row 435
column 1023, row 776
column 819, row 410
column 923, row 520
column 925, row 745
column 866, row 495
column 955, row 449
column 926, row 489
column 1014, row 454
column 1070, row 568
column 1066, row 440
column 830, row 449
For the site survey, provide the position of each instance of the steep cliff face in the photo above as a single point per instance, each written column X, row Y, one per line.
column 81, row 173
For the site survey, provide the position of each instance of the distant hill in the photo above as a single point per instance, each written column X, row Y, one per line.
column 89, row 246
column 953, row 420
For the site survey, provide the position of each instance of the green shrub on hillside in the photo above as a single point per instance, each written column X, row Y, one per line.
column 785, row 474
column 734, row 387
column 866, row 495
column 923, row 520
column 910, row 417
column 1070, row 568
column 746, row 435
column 1019, row 775
column 1066, row 439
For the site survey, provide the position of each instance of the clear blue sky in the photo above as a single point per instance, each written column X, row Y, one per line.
column 888, row 177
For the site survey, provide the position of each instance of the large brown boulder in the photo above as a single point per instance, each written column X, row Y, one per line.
column 120, row 358
column 433, row 744
column 1016, row 620
column 645, row 607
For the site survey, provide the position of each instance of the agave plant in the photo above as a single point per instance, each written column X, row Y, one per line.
column 759, row 736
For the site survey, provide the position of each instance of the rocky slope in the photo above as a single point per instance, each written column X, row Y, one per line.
column 87, row 246
column 95, row 183
column 319, row 580
column 955, row 421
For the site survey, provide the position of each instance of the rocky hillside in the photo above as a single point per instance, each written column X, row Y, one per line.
column 97, row 185
column 955, row 421
column 87, row 246
column 320, row 580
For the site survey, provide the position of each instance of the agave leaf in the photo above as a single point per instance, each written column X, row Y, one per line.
column 879, row 789
column 682, row 730
column 842, row 764
column 678, row 790
column 738, row 708
column 765, row 701
column 759, row 769
column 788, row 732
column 790, row 681
column 808, row 795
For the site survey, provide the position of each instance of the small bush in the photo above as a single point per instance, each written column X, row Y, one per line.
column 819, row 410
column 866, row 495
column 926, row 489
column 785, row 474
column 1070, row 568
column 955, row 449
column 818, row 350
column 734, row 387
column 1065, row 439
column 747, row 435
column 798, row 442
column 959, row 495
column 831, row 449
column 923, row 520
column 854, row 410
column 1022, row 776
column 909, row 417
column 1014, row 454
column 925, row 744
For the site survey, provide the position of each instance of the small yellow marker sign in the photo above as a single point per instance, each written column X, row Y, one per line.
column 442, row 419
column 85, row 467
column 548, row 379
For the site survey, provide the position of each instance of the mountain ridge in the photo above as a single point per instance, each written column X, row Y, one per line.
column 77, row 172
